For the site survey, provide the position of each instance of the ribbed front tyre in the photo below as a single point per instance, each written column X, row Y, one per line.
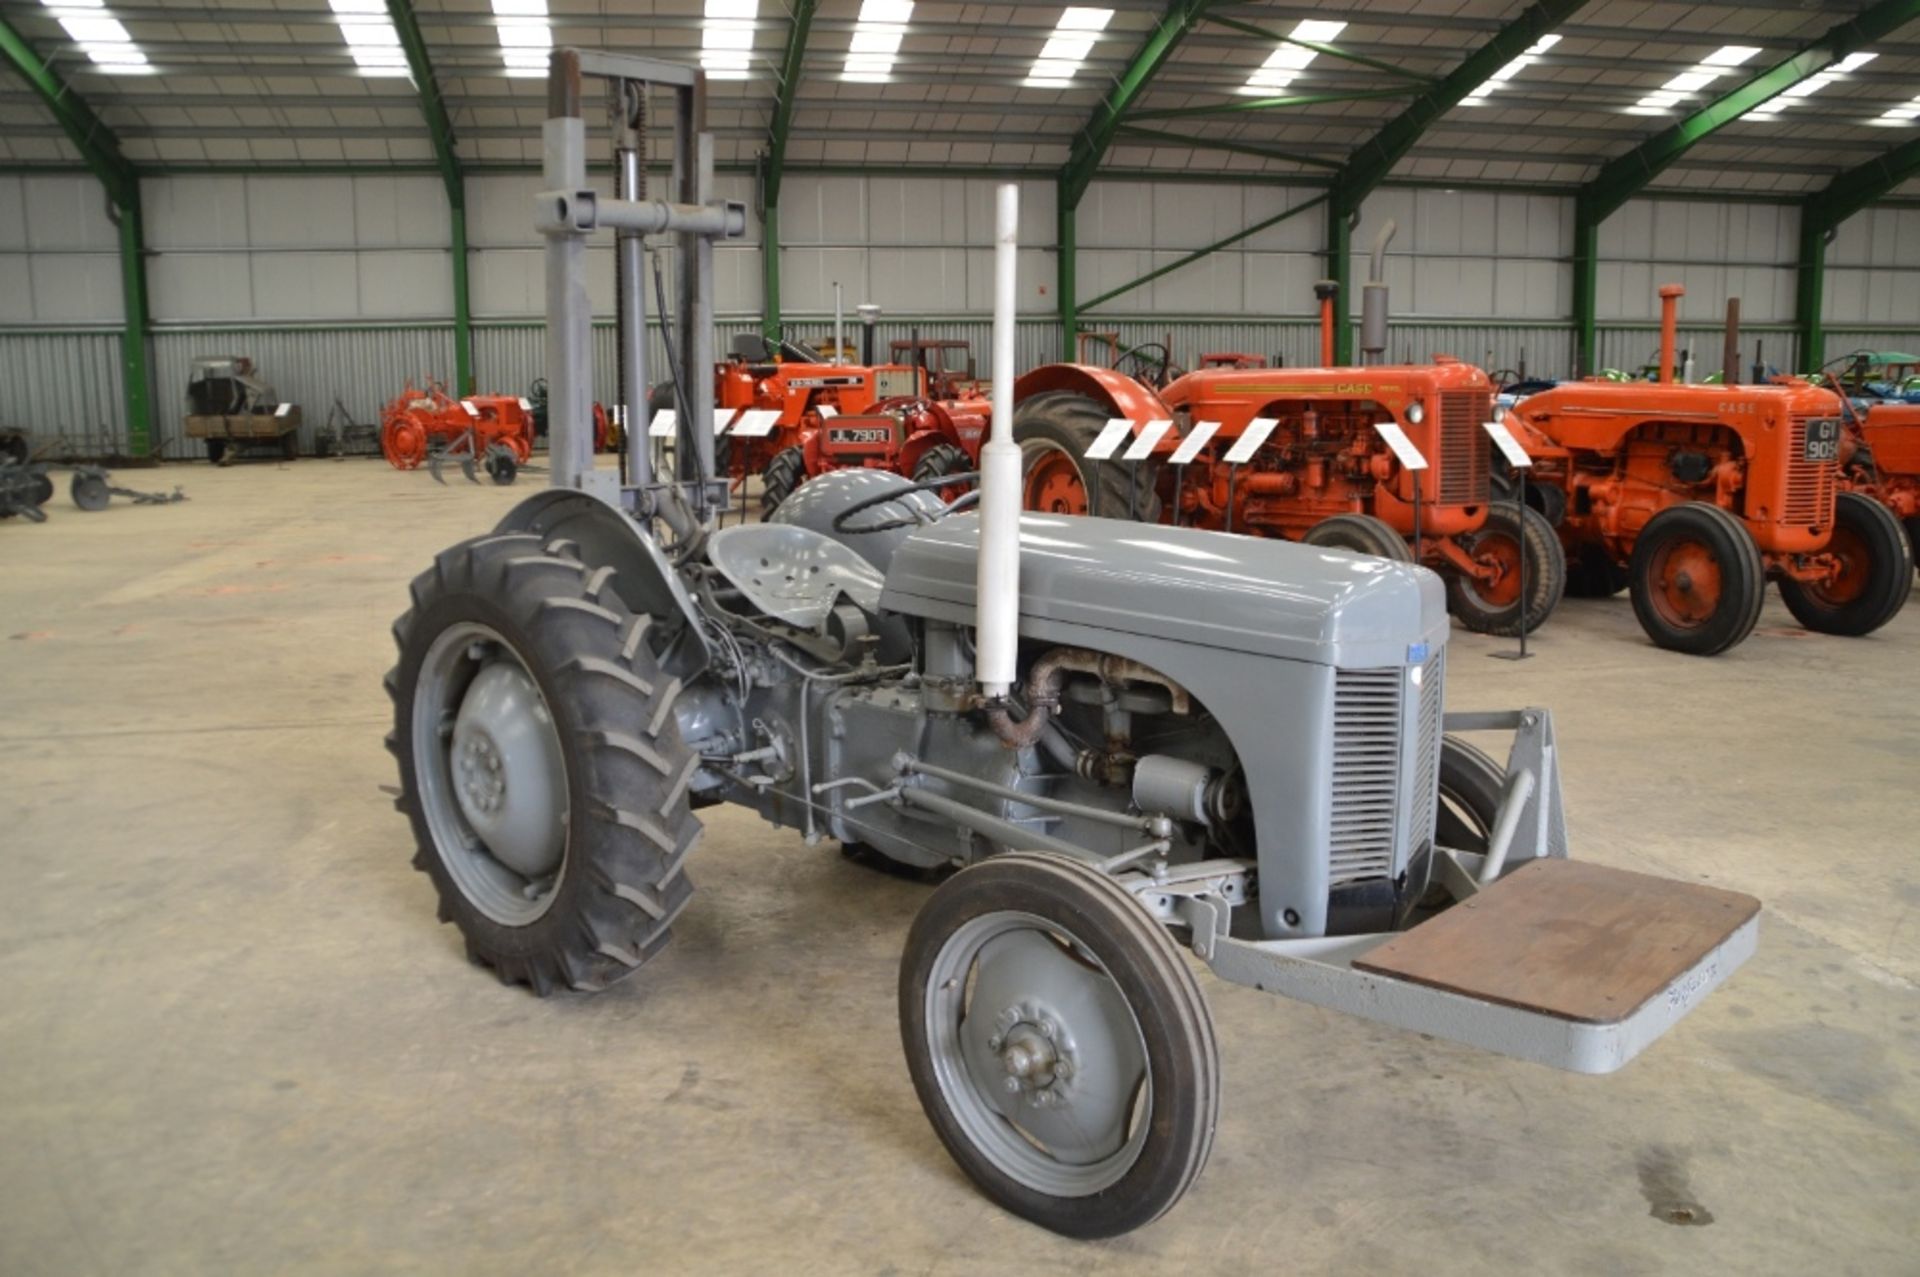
column 1697, row 579
column 1875, row 577
column 1059, row 1044
column 540, row 763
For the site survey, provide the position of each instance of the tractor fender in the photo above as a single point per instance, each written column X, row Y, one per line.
column 1119, row 393
column 642, row 577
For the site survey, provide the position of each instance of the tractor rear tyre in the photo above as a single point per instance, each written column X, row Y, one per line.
column 216, row 450
column 1592, row 573
column 540, row 763
column 939, row 461
column 787, row 471
column 1876, row 572
column 1697, row 579
column 1059, row 1044
column 1913, row 538
column 1494, row 608
column 1360, row 533
column 1054, row 432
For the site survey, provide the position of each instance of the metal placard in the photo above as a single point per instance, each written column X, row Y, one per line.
column 721, row 416
column 1196, row 439
column 1410, row 456
column 1509, row 446
column 827, row 410
column 468, row 405
column 663, row 423
column 1150, row 436
column 1250, row 440
column 756, row 423
column 1101, row 448
column 283, row 410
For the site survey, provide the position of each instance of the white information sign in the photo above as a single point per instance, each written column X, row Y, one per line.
column 468, row 405
column 1196, row 439
column 756, row 423
column 283, row 410
column 1103, row 447
column 721, row 416
column 828, row 410
column 1250, row 440
column 1410, row 456
column 663, row 425
column 1509, row 446
column 1148, row 439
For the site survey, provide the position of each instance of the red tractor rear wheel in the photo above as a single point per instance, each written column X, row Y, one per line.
column 1054, row 432
column 1493, row 606
column 1876, row 572
column 939, row 461
column 403, row 440
column 1697, row 579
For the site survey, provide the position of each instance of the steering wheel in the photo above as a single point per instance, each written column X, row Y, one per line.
column 1144, row 355
column 915, row 520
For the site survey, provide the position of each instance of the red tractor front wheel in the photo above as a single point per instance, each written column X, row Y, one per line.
column 1697, row 579
column 403, row 441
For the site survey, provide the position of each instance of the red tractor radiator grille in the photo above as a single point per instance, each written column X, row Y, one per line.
column 1808, row 501
column 1464, row 447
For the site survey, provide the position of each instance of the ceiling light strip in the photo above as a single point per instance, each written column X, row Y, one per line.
column 370, row 37
column 526, row 41
column 876, row 40
column 100, row 36
column 1498, row 80
column 726, row 38
column 1771, row 108
column 1285, row 63
column 1067, row 48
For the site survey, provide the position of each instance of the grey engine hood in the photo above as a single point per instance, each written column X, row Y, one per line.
column 1241, row 593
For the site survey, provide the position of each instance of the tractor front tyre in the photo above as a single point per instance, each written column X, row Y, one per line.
column 1697, row 579
column 1361, row 534
column 1493, row 607
column 939, row 461
column 787, row 471
column 540, row 763
column 1059, row 1044
column 1876, row 572
column 1054, row 432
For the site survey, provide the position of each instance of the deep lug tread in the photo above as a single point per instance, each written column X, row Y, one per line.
column 1071, row 422
column 630, row 826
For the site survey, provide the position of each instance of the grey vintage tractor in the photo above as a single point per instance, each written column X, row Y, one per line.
column 1127, row 739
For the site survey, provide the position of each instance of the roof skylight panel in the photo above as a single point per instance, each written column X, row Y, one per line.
column 100, row 36
column 526, row 41
column 1067, row 48
column 1722, row 61
column 1770, row 109
column 726, row 38
column 877, row 34
column 1499, row 78
column 1285, row 63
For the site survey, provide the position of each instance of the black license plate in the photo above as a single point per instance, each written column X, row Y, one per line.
column 859, row 436
column 1823, row 440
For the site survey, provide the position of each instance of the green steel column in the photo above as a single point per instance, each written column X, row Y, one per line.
column 135, row 370
column 1066, row 273
column 1820, row 215
column 462, row 306
column 1586, row 287
column 1810, row 286
column 792, row 65
column 1340, row 270
column 770, row 269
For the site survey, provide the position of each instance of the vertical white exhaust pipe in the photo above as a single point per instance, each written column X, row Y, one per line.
column 998, row 617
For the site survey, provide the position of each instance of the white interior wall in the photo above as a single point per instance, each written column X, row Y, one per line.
column 59, row 252
column 1469, row 254
column 1873, row 270
column 1716, row 250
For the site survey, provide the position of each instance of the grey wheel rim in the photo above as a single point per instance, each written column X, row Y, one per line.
column 1037, row 1054
column 491, row 777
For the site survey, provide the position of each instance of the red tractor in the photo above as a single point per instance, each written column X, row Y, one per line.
column 1693, row 497
column 833, row 416
column 1880, row 443
column 948, row 364
column 1304, row 454
column 418, row 423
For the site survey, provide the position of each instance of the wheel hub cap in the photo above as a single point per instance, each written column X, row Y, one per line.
column 507, row 773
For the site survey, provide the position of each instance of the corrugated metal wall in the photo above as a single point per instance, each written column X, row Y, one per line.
column 63, row 385
column 1628, row 348
column 1844, row 341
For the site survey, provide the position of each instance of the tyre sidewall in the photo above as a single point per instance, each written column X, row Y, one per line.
column 1889, row 580
column 1743, row 579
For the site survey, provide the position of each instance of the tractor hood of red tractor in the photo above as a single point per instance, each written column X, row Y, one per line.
column 1243, row 594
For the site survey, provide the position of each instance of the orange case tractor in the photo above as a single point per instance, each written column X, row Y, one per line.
column 1880, row 440
column 1694, row 496
column 416, row 423
column 875, row 416
column 1325, row 475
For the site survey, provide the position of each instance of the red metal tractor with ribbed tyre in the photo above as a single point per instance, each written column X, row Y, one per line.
column 417, row 424
column 1322, row 473
column 1694, row 496
column 1880, row 435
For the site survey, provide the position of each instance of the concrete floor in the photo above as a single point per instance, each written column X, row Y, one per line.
column 233, row 1038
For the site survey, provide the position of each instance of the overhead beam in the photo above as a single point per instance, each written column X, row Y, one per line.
column 1330, row 50
column 1190, row 258
column 1280, row 102
column 100, row 150
column 791, row 67
column 1231, row 147
column 452, row 175
column 1820, row 216
column 1371, row 161
column 1626, row 175
column 1091, row 144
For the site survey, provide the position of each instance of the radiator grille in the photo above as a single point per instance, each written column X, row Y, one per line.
column 1366, row 769
column 1426, row 767
column 1809, row 496
column 1464, row 446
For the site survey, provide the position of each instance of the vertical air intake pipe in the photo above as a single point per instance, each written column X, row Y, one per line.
column 1373, row 301
column 998, row 583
